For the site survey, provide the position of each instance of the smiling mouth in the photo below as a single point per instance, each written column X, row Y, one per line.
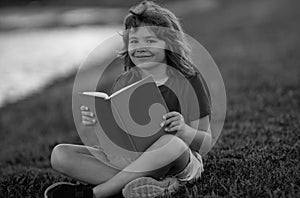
column 142, row 56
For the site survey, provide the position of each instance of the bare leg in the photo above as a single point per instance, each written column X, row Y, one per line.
column 77, row 162
column 171, row 157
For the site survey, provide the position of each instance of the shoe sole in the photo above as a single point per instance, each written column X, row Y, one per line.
column 54, row 185
column 147, row 187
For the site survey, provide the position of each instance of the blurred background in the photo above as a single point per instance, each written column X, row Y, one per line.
column 254, row 43
column 46, row 39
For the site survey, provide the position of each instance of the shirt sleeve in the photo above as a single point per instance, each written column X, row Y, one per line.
column 203, row 100
column 124, row 80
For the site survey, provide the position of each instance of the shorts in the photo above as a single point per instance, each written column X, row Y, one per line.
column 193, row 170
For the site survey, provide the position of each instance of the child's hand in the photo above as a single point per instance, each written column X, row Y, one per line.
column 88, row 117
column 173, row 121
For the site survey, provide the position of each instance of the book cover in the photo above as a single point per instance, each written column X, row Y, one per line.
column 129, row 119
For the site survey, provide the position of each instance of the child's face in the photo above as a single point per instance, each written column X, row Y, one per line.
column 145, row 47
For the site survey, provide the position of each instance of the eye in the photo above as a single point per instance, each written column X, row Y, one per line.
column 151, row 41
column 133, row 41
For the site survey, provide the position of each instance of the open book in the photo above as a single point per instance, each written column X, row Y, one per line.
column 129, row 119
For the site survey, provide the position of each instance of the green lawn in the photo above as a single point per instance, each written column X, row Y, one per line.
column 256, row 46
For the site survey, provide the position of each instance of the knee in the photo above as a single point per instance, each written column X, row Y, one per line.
column 172, row 145
column 59, row 157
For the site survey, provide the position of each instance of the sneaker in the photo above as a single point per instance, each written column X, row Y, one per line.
column 148, row 187
column 68, row 190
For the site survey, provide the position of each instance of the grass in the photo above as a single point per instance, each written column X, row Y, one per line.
column 256, row 45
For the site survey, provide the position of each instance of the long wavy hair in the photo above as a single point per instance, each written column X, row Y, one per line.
column 165, row 25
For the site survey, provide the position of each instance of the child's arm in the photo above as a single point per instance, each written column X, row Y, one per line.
column 197, row 133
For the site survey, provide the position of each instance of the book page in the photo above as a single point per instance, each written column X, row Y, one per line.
column 125, row 88
column 96, row 94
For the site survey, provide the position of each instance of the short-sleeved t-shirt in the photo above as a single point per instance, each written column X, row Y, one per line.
column 188, row 96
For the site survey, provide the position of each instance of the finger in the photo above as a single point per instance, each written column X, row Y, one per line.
column 175, row 123
column 84, row 108
column 86, row 123
column 88, row 119
column 172, row 119
column 175, row 128
column 170, row 114
column 165, row 123
column 87, row 113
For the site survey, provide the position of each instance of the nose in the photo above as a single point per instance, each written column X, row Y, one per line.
column 141, row 50
column 141, row 45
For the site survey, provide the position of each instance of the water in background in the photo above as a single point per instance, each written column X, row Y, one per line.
column 30, row 59
column 32, row 52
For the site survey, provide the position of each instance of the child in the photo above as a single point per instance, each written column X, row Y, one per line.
column 187, row 132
